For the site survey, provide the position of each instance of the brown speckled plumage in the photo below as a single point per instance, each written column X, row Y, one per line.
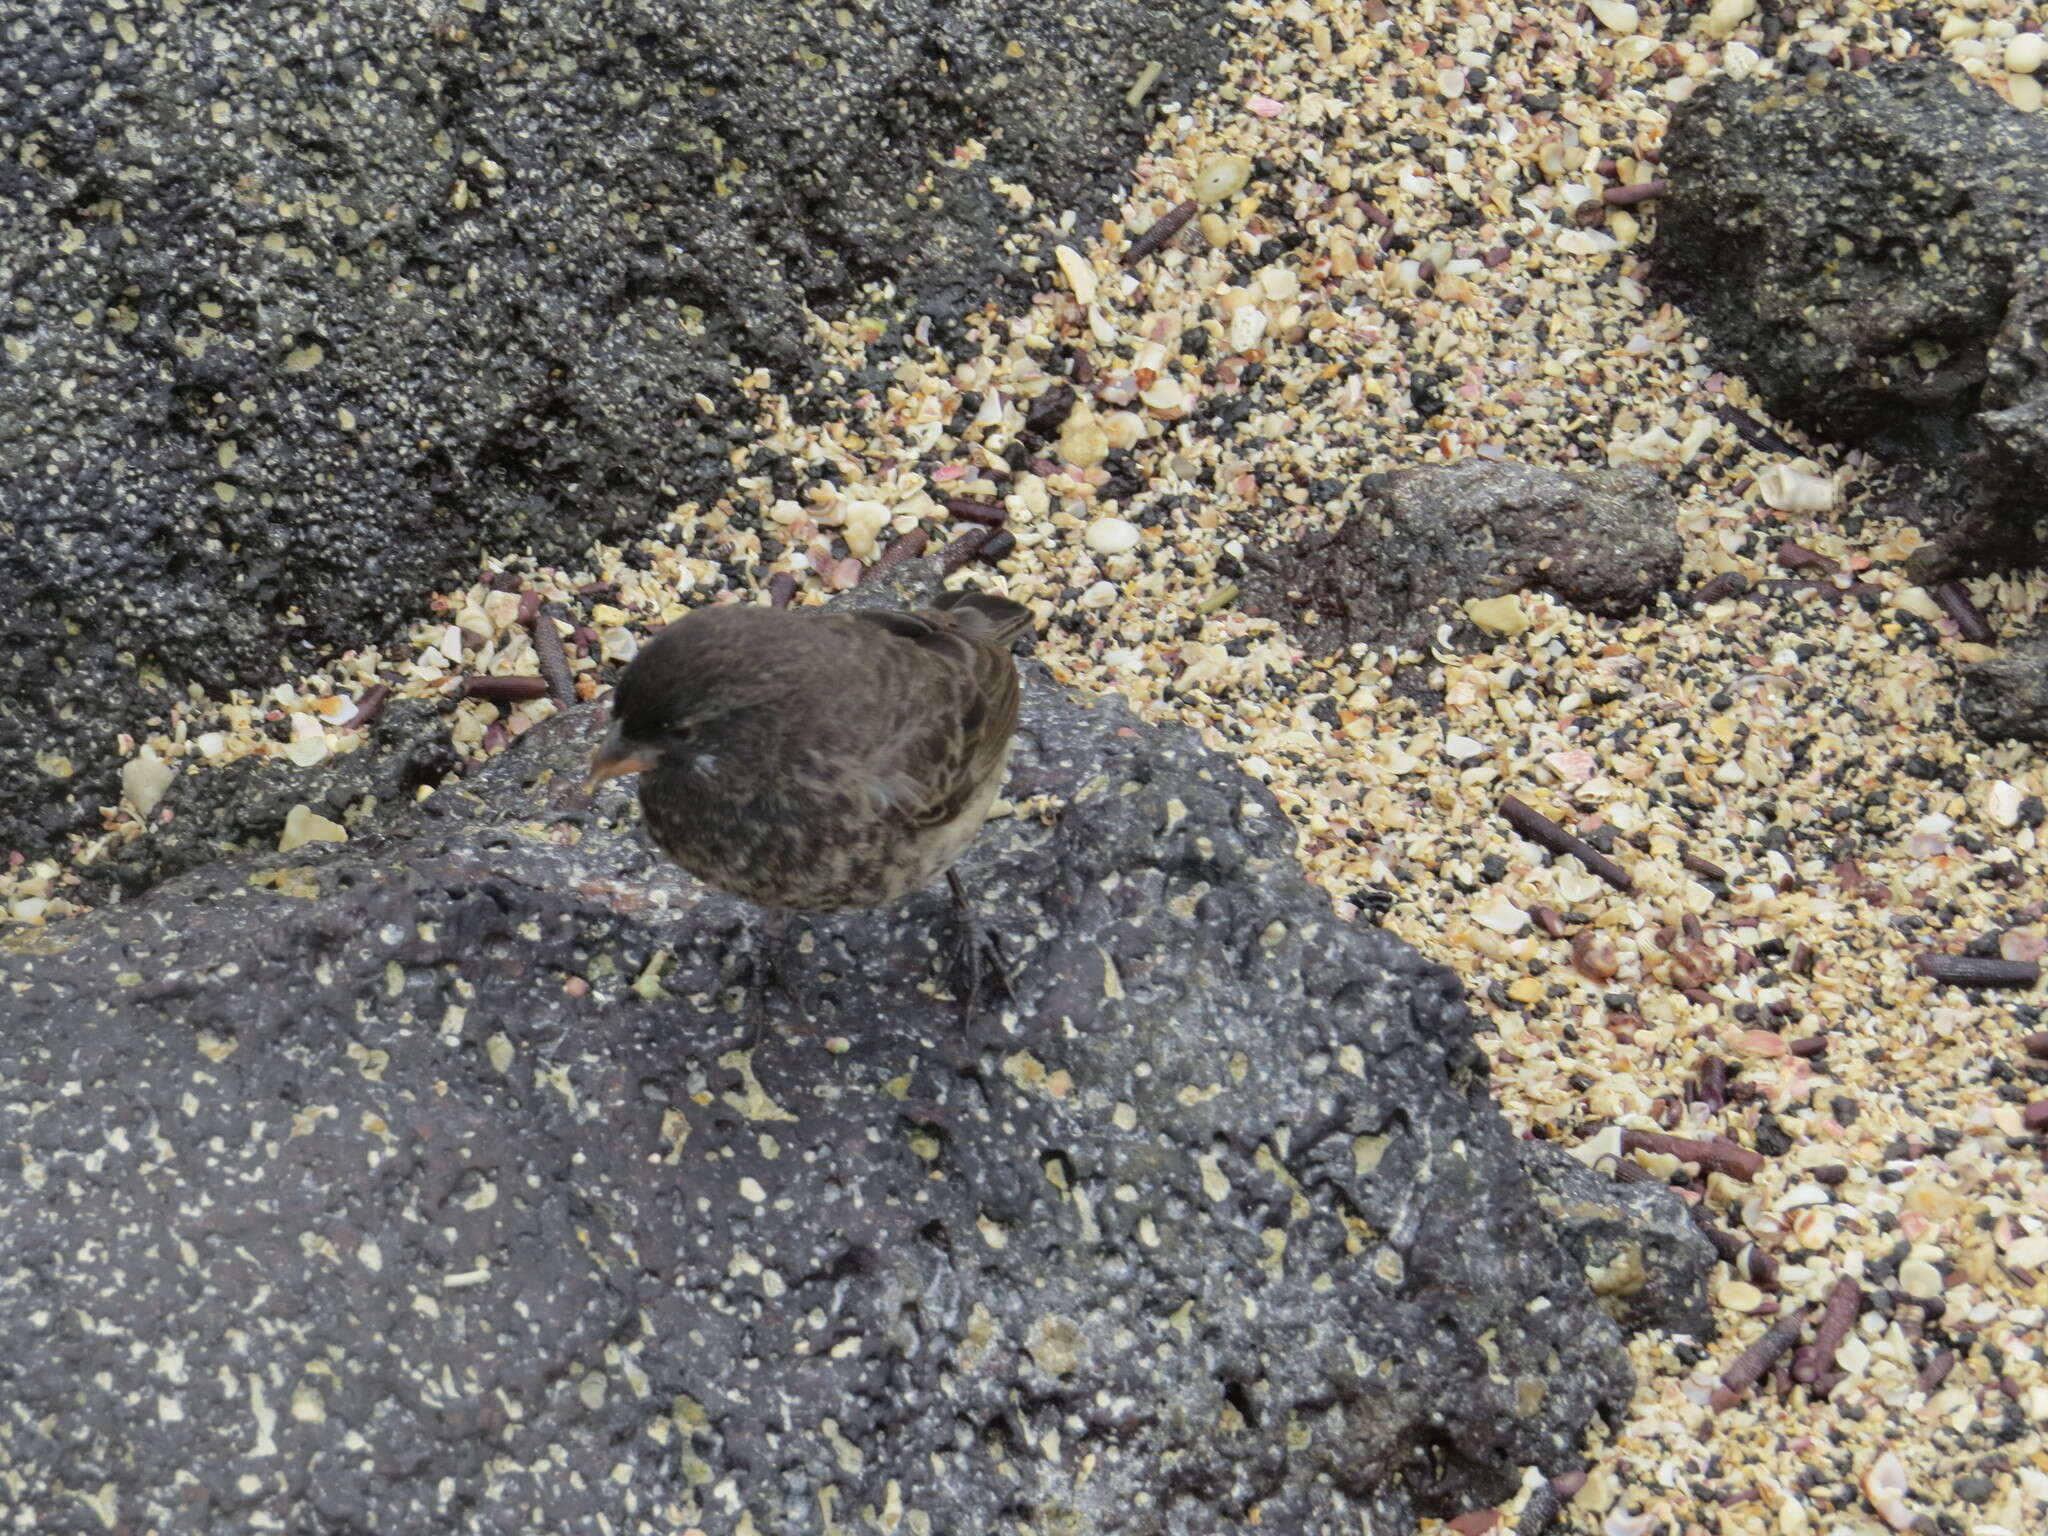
column 817, row 760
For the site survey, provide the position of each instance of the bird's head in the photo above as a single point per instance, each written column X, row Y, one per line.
column 686, row 684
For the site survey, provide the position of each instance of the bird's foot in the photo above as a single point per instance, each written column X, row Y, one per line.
column 979, row 951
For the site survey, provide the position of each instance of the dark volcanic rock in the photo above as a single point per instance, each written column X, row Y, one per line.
column 1640, row 1251
column 310, row 306
column 246, row 803
column 2013, row 461
column 2006, row 698
column 1864, row 245
column 421, row 1185
column 1424, row 540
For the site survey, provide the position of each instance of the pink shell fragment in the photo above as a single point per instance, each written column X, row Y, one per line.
column 1573, row 767
column 2023, row 944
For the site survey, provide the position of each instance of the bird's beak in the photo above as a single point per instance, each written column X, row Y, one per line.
column 614, row 758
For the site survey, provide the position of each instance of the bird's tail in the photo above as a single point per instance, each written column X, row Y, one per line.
column 984, row 616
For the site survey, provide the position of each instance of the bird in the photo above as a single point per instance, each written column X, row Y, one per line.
column 810, row 760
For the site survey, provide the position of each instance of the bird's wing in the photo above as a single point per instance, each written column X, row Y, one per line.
column 964, row 695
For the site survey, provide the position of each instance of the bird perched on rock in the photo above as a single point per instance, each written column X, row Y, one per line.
column 822, row 761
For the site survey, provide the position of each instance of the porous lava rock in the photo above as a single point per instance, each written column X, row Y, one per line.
column 1865, row 246
column 312, row 306
column 1420, row 542
column 225, row 808
column 1638, row 1247
column 433, row 1183
column 2006, row 697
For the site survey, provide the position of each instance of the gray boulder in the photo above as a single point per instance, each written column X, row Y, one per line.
column 428, row 1183
column 1863, row 246
column 1422, row 541
column 311, row 308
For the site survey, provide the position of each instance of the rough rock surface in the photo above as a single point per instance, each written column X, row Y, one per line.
column 1800, row 226
column 2006, row 698
column 1640, row 1251
column 246, row 803
column 1428, row 539
column 2013, row 461
column 423, row 1184
column 309, row 307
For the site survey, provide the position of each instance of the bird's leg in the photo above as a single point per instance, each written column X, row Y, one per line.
column 978, row 941
column 767, row 972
